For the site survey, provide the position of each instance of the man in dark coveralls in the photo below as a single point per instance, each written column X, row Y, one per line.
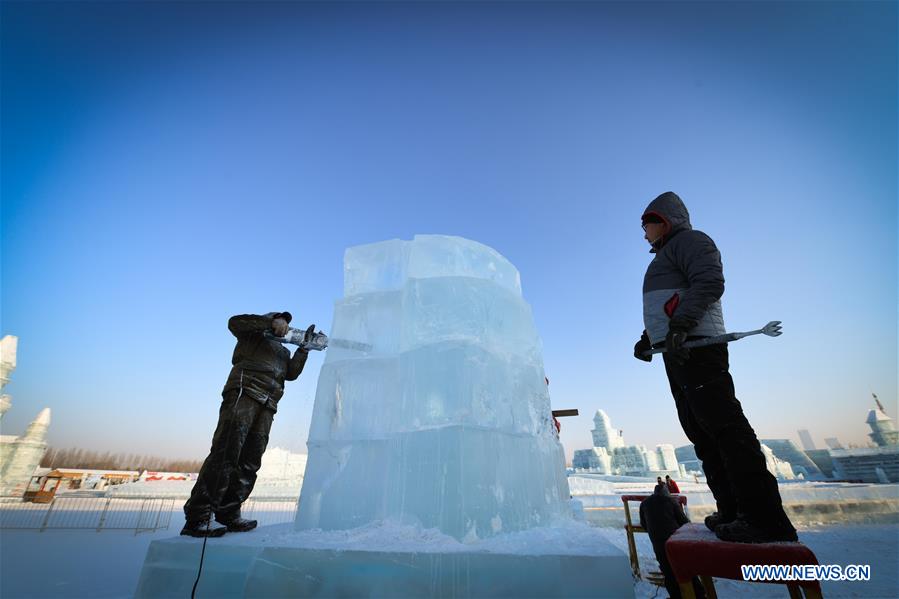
column 249, row 402
column 682, row 292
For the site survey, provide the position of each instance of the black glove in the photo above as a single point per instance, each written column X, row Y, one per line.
column 641, row 346
column 677, row 335
column 309, row 334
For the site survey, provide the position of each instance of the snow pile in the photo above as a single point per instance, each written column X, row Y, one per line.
column 564, row 537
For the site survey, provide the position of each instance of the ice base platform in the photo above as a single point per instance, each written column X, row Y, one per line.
column 389, row 560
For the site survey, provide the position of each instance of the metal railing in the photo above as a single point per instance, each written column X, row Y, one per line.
column 87, row 513
column 140, row 514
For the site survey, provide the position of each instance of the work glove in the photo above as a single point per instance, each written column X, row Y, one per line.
column 678, row 327
column 641, row 346
column 313, row 340
column 308, row 336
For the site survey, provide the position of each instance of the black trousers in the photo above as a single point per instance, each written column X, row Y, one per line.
column 228, row 475
column 713, row 419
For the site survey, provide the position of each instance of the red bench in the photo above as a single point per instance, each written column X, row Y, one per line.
column 694, row 550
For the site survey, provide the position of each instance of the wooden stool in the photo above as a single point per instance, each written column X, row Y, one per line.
column 694, row 550
column 630, row 528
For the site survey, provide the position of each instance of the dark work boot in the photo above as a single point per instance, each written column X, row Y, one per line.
column 238, row 524
column 715, row 519
column 202, row 528
column 743, row 531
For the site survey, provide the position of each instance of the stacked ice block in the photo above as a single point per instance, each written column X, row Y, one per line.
column 445, row 422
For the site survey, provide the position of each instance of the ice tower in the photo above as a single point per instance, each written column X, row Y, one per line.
column 446, row 421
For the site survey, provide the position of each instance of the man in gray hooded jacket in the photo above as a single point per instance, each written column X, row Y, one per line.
column 682, row 292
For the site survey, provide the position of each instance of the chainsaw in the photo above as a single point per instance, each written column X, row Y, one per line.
column 317, row 341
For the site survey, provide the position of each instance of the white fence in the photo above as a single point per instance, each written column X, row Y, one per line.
column 140, row 514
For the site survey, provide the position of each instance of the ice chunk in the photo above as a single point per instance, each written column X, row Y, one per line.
column 375, row 267
column 387, row 265
column 433, row 310
column 442, row 384
column 446, row 421
column 474, row 310
column 357, row 399
column 470, row 483
column 446, row 256
column 370, row 319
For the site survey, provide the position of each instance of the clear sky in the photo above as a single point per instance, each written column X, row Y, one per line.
column 167, row 165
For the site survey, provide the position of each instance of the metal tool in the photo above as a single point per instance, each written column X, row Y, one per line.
column 318, row 342
column 772, row 329
column 562, row 413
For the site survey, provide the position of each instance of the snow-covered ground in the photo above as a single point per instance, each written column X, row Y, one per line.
column 61, row 563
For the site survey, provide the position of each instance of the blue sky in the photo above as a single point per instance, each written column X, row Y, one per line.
column 167, row 165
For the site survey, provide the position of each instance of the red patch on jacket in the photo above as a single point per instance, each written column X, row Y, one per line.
column 671, row 305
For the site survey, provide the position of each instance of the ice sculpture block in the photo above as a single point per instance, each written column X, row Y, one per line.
column 445, row 422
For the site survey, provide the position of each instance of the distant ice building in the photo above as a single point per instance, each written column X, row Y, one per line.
column 883, row 431
column 609, row 454
column 867, row 464
column 833, row 443
column 604, row 434
column 805, row 438
column 822, row 459
column 281, row 473
column 789, row 452
column 779, row 468
column 871, row 464
column 282, row 464
column 19, row 456
column 686, row 457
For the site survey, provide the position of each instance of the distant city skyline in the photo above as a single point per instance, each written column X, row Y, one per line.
column 167, row 165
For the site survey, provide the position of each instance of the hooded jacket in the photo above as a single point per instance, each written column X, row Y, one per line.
column 685, row 279
column 261, row 365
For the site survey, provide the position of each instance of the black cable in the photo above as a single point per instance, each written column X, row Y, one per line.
column 193, row 591
column 218, row 479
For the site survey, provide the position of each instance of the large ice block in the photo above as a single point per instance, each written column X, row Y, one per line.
column 446, row 256
column 446, row 420
column 389, row 560
column 430, row 310
column 470, row 483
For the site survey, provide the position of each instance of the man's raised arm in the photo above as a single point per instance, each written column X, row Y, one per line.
column 296, row 364
column 247, row 324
